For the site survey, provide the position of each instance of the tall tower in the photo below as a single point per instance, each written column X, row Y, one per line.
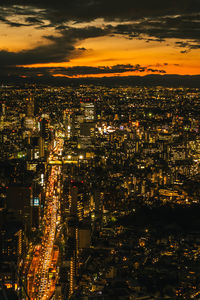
column 30, row 106
column 41, row 147
column 29, row 121
column 89, row 111
column 76, row 202
column 67, row 122
column 44, row 129
column 76, row 215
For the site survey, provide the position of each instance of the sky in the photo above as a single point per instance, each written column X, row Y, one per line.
column 97, row 38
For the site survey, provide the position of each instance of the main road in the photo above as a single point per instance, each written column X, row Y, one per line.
column 40, row 284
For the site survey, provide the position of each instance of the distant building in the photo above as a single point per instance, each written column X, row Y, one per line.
column 88, row 111
column 19, row 200
column 44, row 128
column 30, row 106
column 11, row 241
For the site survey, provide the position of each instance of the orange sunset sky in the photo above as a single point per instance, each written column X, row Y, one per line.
column 147, row 43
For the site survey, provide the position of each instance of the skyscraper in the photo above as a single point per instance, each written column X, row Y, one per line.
column 88, row 111
column 29, row 121
column 76, row 215
column 30, row 106
column 44, row 128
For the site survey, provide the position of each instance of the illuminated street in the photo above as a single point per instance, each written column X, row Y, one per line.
column 40, row 285
column 99, row 194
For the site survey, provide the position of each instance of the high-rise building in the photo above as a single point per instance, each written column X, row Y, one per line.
column 41, row 147
column 44, row 128
column 76, row 209
column 11, row 241
column 73, row 252
column 76, row 201
column 88, row 111
column 87, row 129
column 29, row 121
column 30, row 106
column 84, row 238
column 67, row 120
column 87, row 126
column 19, row 197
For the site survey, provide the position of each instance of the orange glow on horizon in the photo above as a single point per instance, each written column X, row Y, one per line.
column 106, row 51
column 169, row 69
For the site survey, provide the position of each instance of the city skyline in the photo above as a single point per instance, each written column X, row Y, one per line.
column 99, row 192
column 100, row 149
column 48, row 40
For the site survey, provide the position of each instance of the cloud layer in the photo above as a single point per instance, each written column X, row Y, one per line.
column 61, row 11
column 81, row 70
column 153, row 20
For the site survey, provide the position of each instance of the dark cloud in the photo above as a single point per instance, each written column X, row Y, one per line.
column 177, row 27
column 153, row 20
column 117, row 69
column 148, row 80
column 41, row 54
column 149, row 20
column 60, row 12
column 10, row 23
column 188, row 46
column 87, row 10
column 76, row 70
column 64, row 46
column 59, row 48
column 33, row 20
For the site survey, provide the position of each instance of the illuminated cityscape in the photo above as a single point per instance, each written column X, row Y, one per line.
column 99, row 192
column 99, row 150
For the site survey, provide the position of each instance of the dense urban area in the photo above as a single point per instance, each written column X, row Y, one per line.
column 99, row 193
